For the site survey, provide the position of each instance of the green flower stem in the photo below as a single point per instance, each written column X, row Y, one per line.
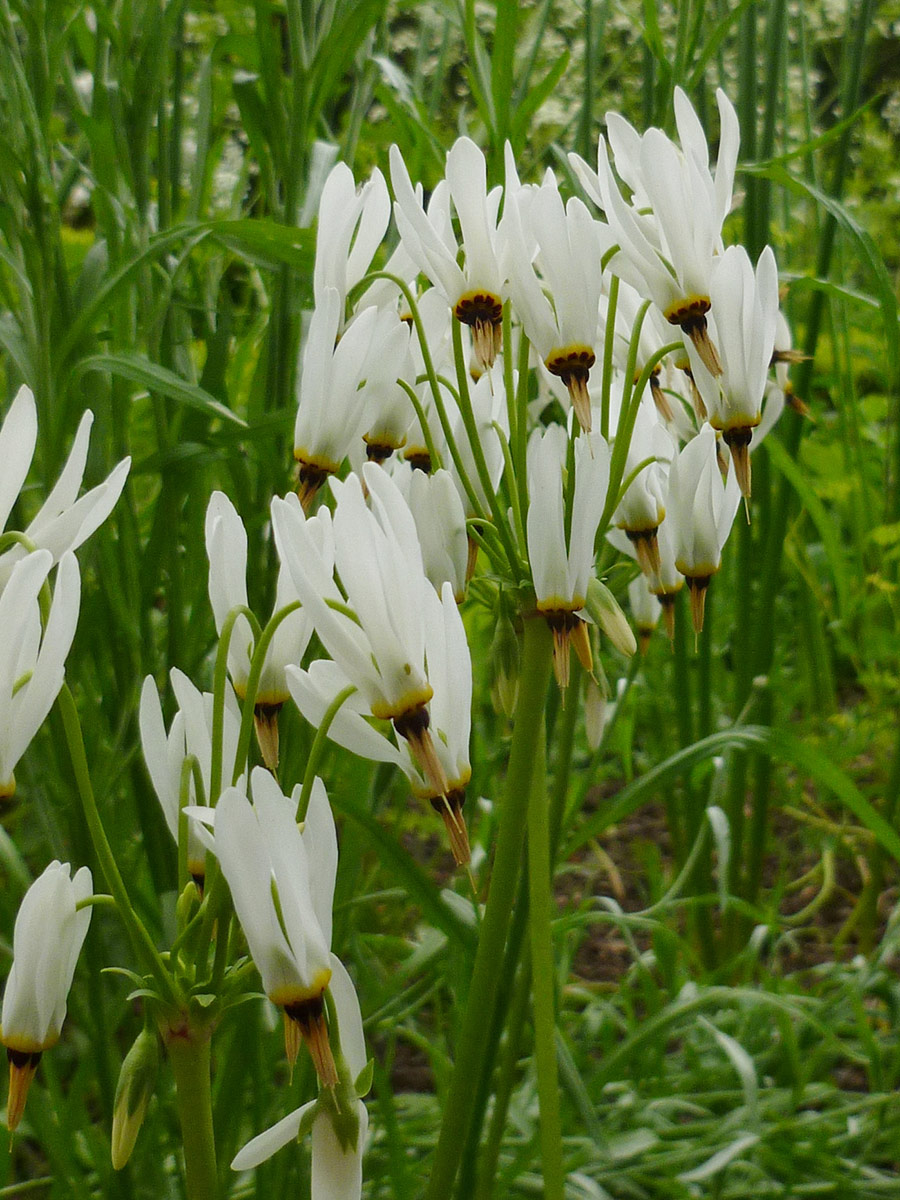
column 533, row 681
column 508, row 1073
column 189, row 1055
column 140, row 938
column 468, row 417
column 220, row 682
column 318, row 749
column 261, row 642
column 542, row 975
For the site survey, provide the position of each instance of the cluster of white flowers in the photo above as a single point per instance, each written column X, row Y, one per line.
column 49, row 929
column 523, row 377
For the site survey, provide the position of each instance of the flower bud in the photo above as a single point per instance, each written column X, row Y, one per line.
column 504, row 665
column 603, row 608
column 137, row 1080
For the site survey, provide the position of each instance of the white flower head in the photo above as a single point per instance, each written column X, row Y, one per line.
column 352, row 223
column 64, row 520
column 745, row 316
column 473, row 290
column 32, row 658
column 331, row 393
column 336, row 1157
column 282, row 885
column 560, row 304
column 440, row 523
column 47, row 939
column 561, row 567
column 668, row 253
column 190, row 734
column 703, row 508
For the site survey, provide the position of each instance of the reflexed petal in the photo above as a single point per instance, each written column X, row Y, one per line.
column 265, row 1144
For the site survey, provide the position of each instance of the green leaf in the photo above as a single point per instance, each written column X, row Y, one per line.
column 159, row 379
column 865, row 246
column 824, row 523
column 420, row 887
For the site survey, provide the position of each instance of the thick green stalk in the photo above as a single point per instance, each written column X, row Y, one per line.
column 535, row 675
column 542, row 977
column 189, row 1055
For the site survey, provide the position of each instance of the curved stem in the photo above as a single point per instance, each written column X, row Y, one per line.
column 533, row 681
column 140, row 938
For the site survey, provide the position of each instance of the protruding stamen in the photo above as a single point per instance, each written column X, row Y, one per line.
column 697, row 586
column 306, row 1019
column 413, row 726
column 449, row 807
column 483, row 311
column 573, row 367
column 738, row 442
column 667, row 603
column 660, row 399
column 690, row 315
column 646, row 547
column 22, row 1067
column 310, row 478
column 265, row 720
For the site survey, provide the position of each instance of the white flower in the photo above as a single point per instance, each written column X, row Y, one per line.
column 440, row 523
column 645, row 608
column 352, row 222
column 336, row 1163
column 282, row 885
column 642, row 508
column 47, row 940
column 190, row 734
column 564, row 243
column 744, row 319
column 703, row 509
column 331, row 396
column 64, row 520
column 32, row 660
column 562, row 567
column 668, row 254
column 450, row 675
column 375, row 630
column 473, row 290
column 226, row 548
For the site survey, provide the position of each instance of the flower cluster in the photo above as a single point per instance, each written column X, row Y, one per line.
column 524, row 389
column 38, row 621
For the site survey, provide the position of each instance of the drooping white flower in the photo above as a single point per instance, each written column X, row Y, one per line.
column 642, row 508
column 440, row 523
column 352, row 223
column 226, row 548
column 560, row 304
column 47, row 940
column 450, row 674
column 64, row 520
column 474, row 291
column 337, row 1147
column 561, row 566
column 668, row 253
column 389, row 409
column 744, row 318
column 645, row 608
column 190, row 735
column 282, row 885
column 331, row 395
column 32, row 659
column 375, row 629
column 703, row 508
